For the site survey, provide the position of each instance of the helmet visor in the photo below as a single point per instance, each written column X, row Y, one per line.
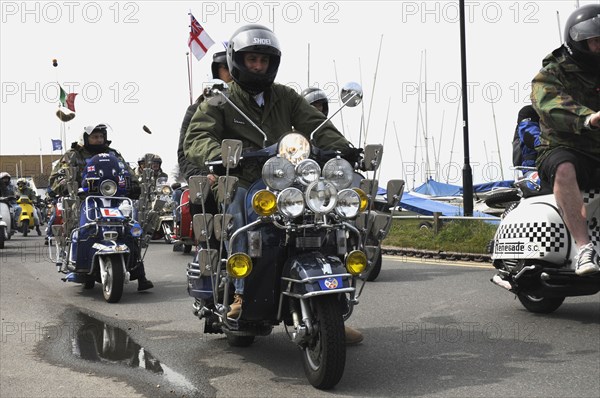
column 586, row 30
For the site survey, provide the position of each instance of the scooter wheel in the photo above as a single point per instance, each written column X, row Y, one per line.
column 540, row 305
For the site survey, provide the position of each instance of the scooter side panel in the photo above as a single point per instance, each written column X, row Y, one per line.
column 533, row 230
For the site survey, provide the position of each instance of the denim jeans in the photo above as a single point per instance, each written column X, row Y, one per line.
column 237, row 210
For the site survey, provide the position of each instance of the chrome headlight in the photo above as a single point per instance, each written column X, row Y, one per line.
column 108, row 188
column 294, row 147
column 321, row 196
column 290, row 202
column 278, row 173
column 165, row 190
column 348, row 203
column 339, row 172
column 308, row 171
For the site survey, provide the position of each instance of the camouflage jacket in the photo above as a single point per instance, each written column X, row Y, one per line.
column 564, row 95
column 283, row 111
column 77, row 156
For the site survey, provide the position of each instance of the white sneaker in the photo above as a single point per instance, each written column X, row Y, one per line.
column 586, row 260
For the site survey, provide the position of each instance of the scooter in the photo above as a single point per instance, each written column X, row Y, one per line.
column 5, row 221
column 534, row 251
column 310, row 246
column 99, row 240
column 26, row 219
column 164, row 205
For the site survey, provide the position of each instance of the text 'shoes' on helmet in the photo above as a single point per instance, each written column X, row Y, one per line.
column 104, row 174
column 88, row 130
column 219, row 58
column 258, row 39
column 315, row 95
column 583, row 24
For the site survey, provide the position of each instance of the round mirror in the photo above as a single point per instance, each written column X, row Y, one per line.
column 351, row 94
column 214, row 92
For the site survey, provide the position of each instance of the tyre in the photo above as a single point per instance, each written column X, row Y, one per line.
column 376, row 269
column 503, row 199
column 187, row 248
column 2, row 236
column 167, row 234
column 324, row 357
column 540, row 305
column 25, row 227
column 239, row 341
column 112, row 288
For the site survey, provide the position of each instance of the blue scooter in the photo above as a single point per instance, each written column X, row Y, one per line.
column 105, row 245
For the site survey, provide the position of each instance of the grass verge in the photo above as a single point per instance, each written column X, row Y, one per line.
column 462, row 236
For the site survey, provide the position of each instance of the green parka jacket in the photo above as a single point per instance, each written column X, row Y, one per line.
column 284, row 109
column 564, row 95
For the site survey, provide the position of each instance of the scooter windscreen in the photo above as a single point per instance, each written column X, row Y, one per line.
column 105, row 175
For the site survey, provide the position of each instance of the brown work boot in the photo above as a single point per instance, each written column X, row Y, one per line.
column 353, row 336
column 236, row 307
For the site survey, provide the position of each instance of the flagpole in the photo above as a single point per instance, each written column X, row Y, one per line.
column 189, row 62
column 41, row 159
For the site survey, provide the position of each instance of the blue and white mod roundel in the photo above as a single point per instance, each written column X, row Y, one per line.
column 104, row 174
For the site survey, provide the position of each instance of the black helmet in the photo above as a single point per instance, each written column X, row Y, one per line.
column 88, row 130
column 219, row 58
column 257, row 39
column 583, row 24
column 315, row 95
column 157, row 159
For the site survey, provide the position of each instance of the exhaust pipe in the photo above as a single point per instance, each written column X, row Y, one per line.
column 501, row 282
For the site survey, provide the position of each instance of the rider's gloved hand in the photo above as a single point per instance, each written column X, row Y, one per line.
column 353, row 155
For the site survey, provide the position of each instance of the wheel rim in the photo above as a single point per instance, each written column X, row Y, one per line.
column 313, row 355
column 534, row 298
column 109, row 278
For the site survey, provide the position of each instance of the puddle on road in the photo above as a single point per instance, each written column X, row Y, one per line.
column 97, row 341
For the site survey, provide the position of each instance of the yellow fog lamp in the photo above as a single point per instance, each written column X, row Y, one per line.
column 364, row 200
column 356, row 262
column 264, row 203
column 239, row 265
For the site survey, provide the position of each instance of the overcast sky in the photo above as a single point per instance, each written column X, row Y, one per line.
column 127, row 61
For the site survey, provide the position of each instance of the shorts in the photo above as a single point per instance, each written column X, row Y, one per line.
column 586, row 168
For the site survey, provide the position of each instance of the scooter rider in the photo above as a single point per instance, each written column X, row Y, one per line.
column 276, row 108
column 23, row 189
column 565, row 96
column 318, row 99
column 8, row 190
column 219, row 71
column 94, row 141
column 157, row 171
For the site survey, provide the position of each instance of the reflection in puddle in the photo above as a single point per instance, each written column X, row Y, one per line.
column 100, row 342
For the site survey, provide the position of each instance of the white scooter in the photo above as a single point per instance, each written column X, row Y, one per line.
column 534, row 251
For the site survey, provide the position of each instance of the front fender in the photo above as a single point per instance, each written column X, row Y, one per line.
column 314, row 272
